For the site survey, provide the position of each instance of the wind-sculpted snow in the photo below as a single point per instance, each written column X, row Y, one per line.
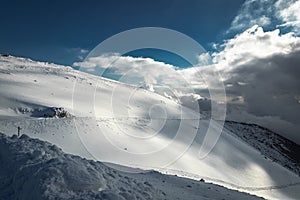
column 33, row 169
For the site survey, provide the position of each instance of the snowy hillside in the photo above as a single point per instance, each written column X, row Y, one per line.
column 33, row 169
column 112, row 122
column 270, row 144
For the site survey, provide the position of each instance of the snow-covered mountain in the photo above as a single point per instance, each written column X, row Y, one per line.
column 272, row 145
column 117, row 123
column 33, row 169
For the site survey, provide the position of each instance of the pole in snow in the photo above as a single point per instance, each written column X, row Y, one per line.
column 19, row 130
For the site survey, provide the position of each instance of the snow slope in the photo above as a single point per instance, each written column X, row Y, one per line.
column 269, row 144
column 33, row 169
column 121, row 124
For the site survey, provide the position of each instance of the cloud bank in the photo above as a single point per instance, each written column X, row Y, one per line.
column 135, row 70
column 263, row 69
column 259, row 67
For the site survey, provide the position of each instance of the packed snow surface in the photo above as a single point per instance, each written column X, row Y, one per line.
column 117, row 123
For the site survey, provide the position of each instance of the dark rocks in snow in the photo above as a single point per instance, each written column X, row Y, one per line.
column 44, row 111
column 60, row 113
column 54, row 112
column 270, row 144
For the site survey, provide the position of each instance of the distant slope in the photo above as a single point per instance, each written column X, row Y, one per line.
column 268, row 143
column 33, row 169
column 122, row 124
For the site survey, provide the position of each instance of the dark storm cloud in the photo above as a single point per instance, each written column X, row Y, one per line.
column 271, row 92
column 272, row 86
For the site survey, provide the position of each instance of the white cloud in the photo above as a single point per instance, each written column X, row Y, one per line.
column 239, row 22
column 254, row 43
column 268, row 13
column 253, row 12
column 204, row 59
column 80, row 53
column 267, row 65
column 289, row 12
column 144, row 72
column 84, row 51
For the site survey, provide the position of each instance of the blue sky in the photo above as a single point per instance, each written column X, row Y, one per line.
column 59, row 31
